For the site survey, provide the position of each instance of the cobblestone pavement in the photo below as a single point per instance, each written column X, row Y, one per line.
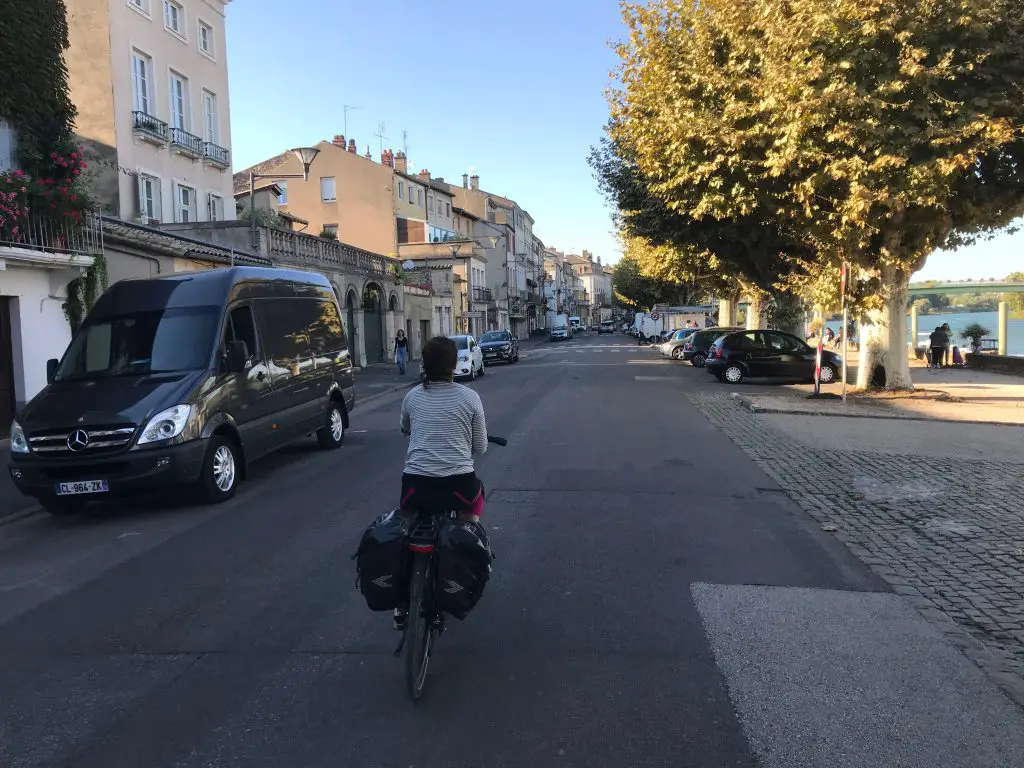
column 946, row 533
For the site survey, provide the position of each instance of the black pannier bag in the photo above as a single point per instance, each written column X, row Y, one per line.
column 464, row 558
column 382, row 561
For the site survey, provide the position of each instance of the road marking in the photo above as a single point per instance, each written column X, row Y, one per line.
column 650, row 378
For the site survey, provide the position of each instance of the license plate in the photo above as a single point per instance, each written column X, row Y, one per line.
column 84, row 486
column 491, row 354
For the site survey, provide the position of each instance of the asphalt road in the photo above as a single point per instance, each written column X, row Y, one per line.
column 657, row 601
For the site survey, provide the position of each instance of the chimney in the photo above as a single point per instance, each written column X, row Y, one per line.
column 384, row 157
column 474, row 182
column 339, row 141
column 401, row 162
column 465, row 181
column 424, row 175
column 352, row 146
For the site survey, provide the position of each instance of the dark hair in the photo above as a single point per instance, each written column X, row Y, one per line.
column 439, row 357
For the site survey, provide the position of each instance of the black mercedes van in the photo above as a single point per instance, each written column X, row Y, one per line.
column 182, row 381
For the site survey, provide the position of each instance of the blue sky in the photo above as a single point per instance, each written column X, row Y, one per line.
column 514, row 91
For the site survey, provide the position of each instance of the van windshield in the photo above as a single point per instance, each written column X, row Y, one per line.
column 155, row 341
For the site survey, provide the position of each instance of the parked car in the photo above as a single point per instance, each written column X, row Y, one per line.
column 470, row 363
column 697, row 346
column 673, row 347
column 499, row 345
column 184, row 380
column 606, row 327
column 768, row 354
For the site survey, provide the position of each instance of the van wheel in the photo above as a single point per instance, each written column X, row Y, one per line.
column 332, row 434
column 62, row 507
column 219, row 479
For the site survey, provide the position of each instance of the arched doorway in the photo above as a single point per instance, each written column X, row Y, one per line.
column 393, row 304
column 351, row 302
column 373, row 323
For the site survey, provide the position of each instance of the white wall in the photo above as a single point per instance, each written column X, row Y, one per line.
column 39, row 329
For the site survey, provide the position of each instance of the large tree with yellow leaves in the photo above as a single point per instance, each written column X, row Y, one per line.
column 869, row 130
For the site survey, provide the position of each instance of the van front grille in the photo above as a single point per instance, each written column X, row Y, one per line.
column 84, row 441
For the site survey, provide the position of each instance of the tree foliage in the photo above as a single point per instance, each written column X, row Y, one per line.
column 787, row 135
column 1015, row 300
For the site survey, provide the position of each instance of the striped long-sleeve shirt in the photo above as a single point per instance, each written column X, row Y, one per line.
column 447, row 426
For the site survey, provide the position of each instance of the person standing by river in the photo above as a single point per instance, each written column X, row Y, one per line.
column 938, row 340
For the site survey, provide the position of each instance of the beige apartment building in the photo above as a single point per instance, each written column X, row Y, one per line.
column 150, row 81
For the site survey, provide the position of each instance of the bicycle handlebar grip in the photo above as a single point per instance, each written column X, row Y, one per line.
column 497, row 440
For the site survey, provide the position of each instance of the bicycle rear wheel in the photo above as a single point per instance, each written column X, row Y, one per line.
column 418, row 628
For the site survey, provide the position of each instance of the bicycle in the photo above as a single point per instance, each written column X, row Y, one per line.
column 424, row 623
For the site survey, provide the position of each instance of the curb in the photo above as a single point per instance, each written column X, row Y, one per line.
column 381, row 393
column 753, row 408
column 19, row 515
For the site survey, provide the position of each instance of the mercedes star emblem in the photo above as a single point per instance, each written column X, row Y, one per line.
column 78, row 440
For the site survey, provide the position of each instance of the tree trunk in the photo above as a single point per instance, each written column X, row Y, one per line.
column 756, row 306
column 883, row 337
column 727, row 306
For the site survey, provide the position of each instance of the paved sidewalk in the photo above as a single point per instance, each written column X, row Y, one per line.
column 936, row 509
column 965, row 396
column 380, row 378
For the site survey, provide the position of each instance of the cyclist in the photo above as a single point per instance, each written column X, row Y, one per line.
column 447, row 427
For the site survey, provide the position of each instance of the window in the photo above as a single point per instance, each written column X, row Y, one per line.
column 783, row 343
column 330, row 229
column 184, row 204
column 206, row 38
column 401, row 191
column 282, row 199
column 326, row 334
column 214, row 207
column 142, row 82
column 412, row 199
column 174, row 17
column 241, row 327
column 284, row 329
column 149, row 199
column 209, row 117
column 140, row 5
column 142, row 342
column 179, row 101
column 419, row 198
column 448, row 209
column 8, row 147
column 327, row 190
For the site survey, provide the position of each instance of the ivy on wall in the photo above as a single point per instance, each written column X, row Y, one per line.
column 34, row 96
column 35, row 102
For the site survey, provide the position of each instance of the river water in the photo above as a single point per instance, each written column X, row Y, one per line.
column 960, row 320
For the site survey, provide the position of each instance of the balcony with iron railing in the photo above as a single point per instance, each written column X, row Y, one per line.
column 186, row 143
column 44, row 234
column 216, row 155
column 485, row 295
column 303, row 250
column 149, row 128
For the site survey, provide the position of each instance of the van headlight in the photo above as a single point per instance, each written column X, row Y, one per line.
column 18, row 442
column 166, row 425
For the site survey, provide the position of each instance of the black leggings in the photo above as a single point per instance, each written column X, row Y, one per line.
column 462, row 493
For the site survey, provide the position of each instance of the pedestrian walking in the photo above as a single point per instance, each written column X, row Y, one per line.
column 938, row 341
column 401, row 351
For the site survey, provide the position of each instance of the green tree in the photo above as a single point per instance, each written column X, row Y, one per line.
column 1015, row 300
column 863, row 130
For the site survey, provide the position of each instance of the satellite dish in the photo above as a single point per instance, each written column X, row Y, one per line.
column 408, row 265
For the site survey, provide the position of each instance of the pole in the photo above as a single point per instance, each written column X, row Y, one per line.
column 846, row 326
column 817, row 365
column 252, row 206
column 1004, row 326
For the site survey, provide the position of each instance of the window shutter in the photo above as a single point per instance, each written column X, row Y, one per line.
column 158, row 206
column 140, row 198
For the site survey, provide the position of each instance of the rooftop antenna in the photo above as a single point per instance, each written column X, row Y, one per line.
column 380, row 135
column 346, row 108
column 405, row 142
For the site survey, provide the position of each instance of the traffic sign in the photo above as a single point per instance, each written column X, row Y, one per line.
column 655, row 315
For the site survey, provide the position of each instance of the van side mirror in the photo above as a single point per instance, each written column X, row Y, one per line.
column 51, row 369
column 238, row 356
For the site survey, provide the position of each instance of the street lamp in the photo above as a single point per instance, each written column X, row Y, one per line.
column 305, row 155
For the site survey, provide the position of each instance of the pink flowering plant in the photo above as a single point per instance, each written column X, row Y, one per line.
column 54, row 193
